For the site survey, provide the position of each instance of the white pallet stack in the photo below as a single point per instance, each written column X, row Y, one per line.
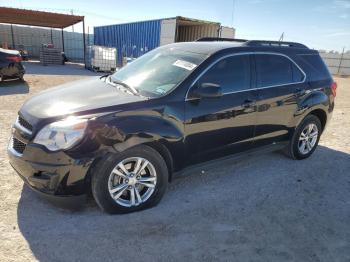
column 102, row 58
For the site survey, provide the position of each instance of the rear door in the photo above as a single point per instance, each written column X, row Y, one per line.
column 223, row 125
column 280, row 84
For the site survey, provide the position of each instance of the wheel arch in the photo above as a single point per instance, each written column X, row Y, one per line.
column 321, row 115
column 316, row 103
column 165, row 154
column 156, row 145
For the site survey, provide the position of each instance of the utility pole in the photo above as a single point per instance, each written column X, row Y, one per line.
column 84, row 43
column 13, row 38
column 233, row 12
column 71, row 12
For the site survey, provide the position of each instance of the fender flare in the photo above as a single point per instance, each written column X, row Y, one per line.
column 315, row 101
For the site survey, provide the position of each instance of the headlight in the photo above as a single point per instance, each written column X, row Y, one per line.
column 62, row 134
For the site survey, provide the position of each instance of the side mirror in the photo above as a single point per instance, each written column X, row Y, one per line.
column 207, row 90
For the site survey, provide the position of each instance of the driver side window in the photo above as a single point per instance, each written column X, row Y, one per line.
column 231, row 73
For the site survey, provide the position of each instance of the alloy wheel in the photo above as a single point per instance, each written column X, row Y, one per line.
column 308, row 139
column 132, row 181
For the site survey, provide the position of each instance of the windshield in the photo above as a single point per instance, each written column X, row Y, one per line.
column 159, row 71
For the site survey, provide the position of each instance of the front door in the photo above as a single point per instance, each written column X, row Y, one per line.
column 222, row 125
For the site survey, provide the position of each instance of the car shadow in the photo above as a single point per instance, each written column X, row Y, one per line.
column 11, row 87
column 267, row 208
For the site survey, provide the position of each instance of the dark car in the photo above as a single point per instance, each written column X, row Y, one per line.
column 123, row 136
column 11, row 65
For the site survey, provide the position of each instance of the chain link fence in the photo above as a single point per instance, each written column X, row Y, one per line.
column 32, row 39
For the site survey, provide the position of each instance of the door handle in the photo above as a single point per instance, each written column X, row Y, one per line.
column 248, row 103
column 300, row 92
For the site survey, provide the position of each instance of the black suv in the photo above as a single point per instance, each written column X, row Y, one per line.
column 123, row 136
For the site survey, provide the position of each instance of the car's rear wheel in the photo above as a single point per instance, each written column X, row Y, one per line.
column 130, row 181
column 305, row 138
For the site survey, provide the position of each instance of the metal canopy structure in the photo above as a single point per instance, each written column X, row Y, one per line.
column 42, row 19
column 37, row 18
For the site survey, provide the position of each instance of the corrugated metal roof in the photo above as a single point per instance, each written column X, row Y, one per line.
column 186, row 19
column 37, row 18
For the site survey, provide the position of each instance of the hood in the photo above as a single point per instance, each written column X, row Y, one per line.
column 75, row 97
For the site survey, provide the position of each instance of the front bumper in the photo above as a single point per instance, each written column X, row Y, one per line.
column 57, row 176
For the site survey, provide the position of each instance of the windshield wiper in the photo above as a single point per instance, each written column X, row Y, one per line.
column 105, row 76
column 126, row 86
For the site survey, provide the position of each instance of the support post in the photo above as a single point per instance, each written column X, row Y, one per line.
column 84, row 42
column 62, row 40
column 13, row 38
column 88, row 36
column 51, row 36
column 341, row 60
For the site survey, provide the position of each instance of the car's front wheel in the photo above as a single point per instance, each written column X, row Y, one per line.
column 21, row 77
column 130, row 181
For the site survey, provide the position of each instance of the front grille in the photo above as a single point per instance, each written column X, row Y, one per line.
column 18, row 145
column 24, row 123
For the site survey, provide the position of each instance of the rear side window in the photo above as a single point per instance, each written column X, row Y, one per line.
column 315, row 67
column 298, row 76
column 232, row 74
column 273, row 70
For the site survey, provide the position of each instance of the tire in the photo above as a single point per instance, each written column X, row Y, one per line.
column 295, row 146
column 104, row 181
column 21, row 77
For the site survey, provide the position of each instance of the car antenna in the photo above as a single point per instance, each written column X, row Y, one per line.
column 281, row 37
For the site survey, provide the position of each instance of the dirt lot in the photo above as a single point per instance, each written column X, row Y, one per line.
column 266, row 208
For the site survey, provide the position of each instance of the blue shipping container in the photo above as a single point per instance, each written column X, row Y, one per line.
column 131, row 39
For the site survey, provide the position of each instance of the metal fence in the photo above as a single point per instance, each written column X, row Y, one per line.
column 32, row 39
column 338, row 63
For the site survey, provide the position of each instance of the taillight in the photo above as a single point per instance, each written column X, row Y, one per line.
column 334, row 88
column 15, row 59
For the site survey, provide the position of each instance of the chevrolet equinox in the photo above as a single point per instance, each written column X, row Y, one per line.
column 121, row 137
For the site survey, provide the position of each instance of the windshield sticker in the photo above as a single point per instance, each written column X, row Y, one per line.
column 184, row 64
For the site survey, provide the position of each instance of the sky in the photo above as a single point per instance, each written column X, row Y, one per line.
column 320, row 24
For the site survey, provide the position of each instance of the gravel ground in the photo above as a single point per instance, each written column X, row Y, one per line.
column 261, row 208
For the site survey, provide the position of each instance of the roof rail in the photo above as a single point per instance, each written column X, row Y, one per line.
column 219, row 39
column 274, row 43
column 253, row 42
